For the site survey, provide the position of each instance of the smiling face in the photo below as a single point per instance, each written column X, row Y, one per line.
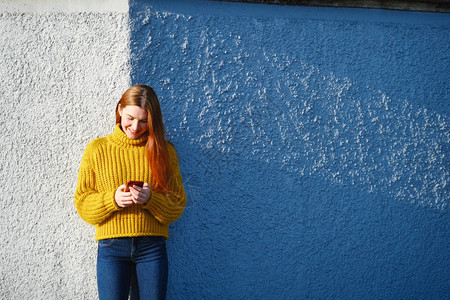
column 134, row 120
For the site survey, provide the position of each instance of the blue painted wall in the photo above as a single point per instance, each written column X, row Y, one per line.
column 314, row 145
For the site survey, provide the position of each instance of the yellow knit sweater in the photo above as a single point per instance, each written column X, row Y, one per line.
column 111, row 161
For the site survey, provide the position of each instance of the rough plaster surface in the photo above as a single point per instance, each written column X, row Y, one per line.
column 33, row 6
column 314, row 144
column 61, row 75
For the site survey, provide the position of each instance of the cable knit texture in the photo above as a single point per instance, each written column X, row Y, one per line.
column 111, row 161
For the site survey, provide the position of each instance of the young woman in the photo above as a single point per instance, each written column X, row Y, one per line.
column 131, row 226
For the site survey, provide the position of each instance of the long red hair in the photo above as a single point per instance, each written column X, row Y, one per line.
column 156, row 146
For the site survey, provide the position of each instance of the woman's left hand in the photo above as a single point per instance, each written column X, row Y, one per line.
column 140, row 195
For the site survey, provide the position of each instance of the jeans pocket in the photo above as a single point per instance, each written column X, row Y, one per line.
column 106, row 243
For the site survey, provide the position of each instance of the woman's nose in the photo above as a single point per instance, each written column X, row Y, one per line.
column 135, row 126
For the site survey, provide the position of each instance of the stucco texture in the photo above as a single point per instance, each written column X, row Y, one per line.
column 61, row 75
column 314, row 145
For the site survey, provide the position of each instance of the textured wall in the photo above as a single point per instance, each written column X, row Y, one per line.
column 314, row 144
column 61, row 74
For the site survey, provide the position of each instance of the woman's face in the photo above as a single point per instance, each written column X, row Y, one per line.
column 133, row 120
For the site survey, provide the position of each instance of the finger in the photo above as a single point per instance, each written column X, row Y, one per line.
column 125, row 203
column 142, row 194
column 137, row 201
column 134, row 193
column 129, row 199
column 140, row 201
column 126, row 195
column 146, row 186
column 134, row 189
column 142, row 198
column 138, row 188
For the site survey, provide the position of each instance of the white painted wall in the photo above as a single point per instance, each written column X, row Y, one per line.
column 64, row 66
column 27, row 6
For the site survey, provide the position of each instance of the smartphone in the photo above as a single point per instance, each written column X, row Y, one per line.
column 131, row 183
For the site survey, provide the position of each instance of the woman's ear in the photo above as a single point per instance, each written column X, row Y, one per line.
column 120, row 110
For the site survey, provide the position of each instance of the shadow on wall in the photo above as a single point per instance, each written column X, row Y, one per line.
column 301, row 182
column 315, row 240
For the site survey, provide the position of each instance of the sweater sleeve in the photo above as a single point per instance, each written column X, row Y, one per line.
column 92, row 206
column 168, row 207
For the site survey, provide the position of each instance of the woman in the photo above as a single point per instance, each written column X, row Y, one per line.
column 131, row 226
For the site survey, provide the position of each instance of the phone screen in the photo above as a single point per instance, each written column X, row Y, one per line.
column 131, row 183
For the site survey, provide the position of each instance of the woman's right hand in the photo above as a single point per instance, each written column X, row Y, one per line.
column 123, row 199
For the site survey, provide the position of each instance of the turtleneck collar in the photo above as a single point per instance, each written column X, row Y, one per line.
column 119, row 137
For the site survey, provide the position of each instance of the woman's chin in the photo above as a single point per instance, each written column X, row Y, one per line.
column 133, row 135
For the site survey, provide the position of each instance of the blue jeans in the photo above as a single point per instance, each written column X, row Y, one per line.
column 119, row 260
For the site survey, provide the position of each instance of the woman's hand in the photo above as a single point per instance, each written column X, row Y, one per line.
column 140, row 195
column 123, row 199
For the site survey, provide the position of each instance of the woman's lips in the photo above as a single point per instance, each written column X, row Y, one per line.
column 132, row 132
